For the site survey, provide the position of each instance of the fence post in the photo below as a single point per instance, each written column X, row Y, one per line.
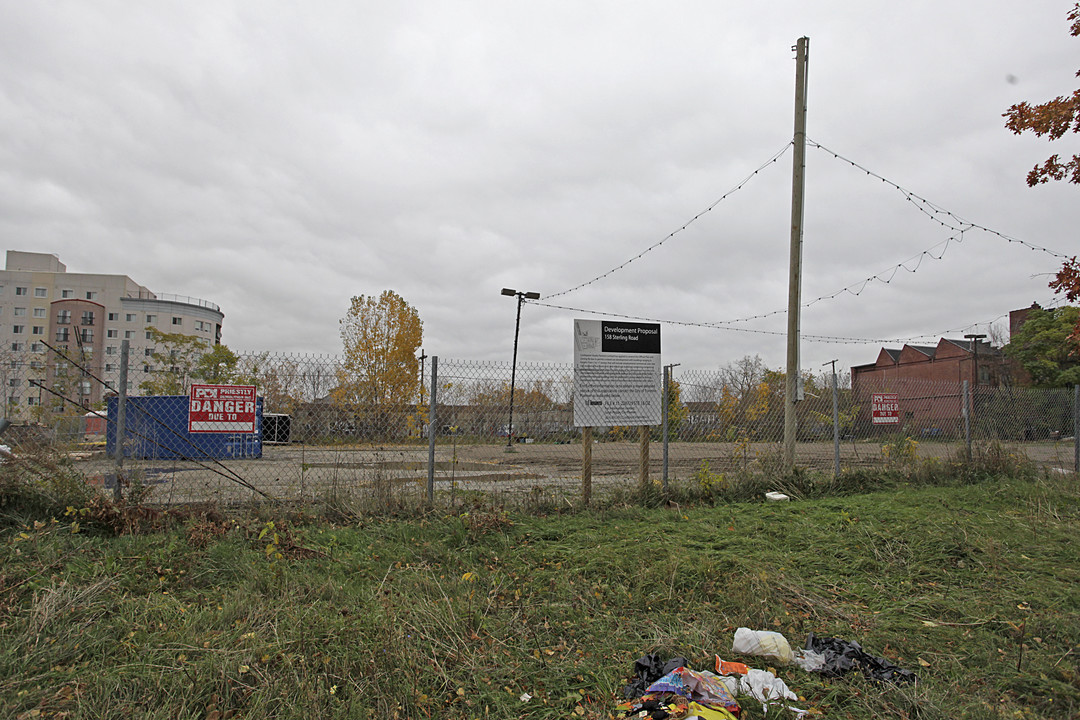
column 835, row 423
column 643, row 440
column 667, row 389
column 967, row 420
column 432, row 417
column 586, row 465
column 1076, row 429
column 121, row 418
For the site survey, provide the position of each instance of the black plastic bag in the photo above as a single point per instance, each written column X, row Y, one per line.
column 647, row 670
column 842, row 657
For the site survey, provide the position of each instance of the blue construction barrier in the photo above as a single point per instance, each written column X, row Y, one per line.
column 157, row 427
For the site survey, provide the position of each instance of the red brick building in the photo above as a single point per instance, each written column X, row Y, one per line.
column 950, row 361
column 928, row 382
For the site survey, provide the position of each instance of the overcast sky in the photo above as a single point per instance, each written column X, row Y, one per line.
column 278, row 158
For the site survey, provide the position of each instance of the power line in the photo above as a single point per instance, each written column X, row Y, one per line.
column 713, row 326
column 932, row 210
column 685, row 225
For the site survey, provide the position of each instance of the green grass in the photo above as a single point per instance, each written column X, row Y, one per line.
column 459, row 615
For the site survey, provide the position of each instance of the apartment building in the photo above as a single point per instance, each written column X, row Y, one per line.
column 84, row 317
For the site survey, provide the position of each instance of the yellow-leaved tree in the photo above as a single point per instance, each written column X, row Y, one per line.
column 379, row 373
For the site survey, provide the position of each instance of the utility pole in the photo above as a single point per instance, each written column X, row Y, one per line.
column 798, row 184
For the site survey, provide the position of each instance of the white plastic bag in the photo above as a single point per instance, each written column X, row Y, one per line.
column 769, row 690
column 762, row 642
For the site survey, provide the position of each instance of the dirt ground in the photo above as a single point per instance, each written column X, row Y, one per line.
column 307, row 472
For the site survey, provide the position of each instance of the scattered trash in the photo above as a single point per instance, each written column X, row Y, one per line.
column 647, row 670
column 765, row 643
column 768, row 689
column 662, row 690
column 656, row 707
column 841, row 657
column 525, row 697
column 700, row 687
column 808, row 660
column 697, row 710
column 730, row 668
column 776, row 496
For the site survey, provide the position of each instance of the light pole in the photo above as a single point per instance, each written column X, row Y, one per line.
column 521, row 297
column 975, row 338
column 423, row 357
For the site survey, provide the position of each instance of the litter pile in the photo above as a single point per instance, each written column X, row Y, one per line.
column 671, row 689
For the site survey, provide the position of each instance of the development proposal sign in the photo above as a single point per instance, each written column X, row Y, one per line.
column 221, row 409
column 617, row 374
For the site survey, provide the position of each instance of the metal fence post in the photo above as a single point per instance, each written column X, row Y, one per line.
column 667, row 389
column 967, row 419
column 1076, row 429
column 121, row 418
column 432, row 416
column 835, row 423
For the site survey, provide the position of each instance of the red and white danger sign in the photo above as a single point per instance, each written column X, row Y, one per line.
column 885, row 408
column 221, row 409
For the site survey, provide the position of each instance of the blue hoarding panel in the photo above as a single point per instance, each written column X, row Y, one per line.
column 157, row 427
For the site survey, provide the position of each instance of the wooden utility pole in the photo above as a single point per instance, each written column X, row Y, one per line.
column 798, row 183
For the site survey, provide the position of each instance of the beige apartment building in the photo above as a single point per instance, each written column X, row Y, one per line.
column 85, row 318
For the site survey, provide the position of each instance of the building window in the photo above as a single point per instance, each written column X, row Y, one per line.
column 149, row 335
column 41, row 292
column 20, row 312
column 148, row 352
column 110, row 350
column 18, row 329
column 87, row 335
column 14, row 382
column 151, row 318
column 62, row 335
column 40, row 312
column 130, row 317
column 36, row 365
column 84, row 387
column 91, row 295
column 20, row 291
column 33, row 400
column 109, row 367
column 37, row 330
column 113, row 317
column 63, row 317
column 112, row 333
column 38, row 348
column 67, row 294
column 88, row 317
column 178, row 321
column 129, row 334
column 18, row 346
column 146, row 368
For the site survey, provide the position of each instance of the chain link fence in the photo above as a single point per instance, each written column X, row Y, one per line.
column 465, row 434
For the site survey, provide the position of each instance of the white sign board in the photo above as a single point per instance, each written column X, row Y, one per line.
column 617, row 373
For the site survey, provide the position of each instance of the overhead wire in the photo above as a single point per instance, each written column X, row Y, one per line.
column 675, row 232
column 712, row 326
